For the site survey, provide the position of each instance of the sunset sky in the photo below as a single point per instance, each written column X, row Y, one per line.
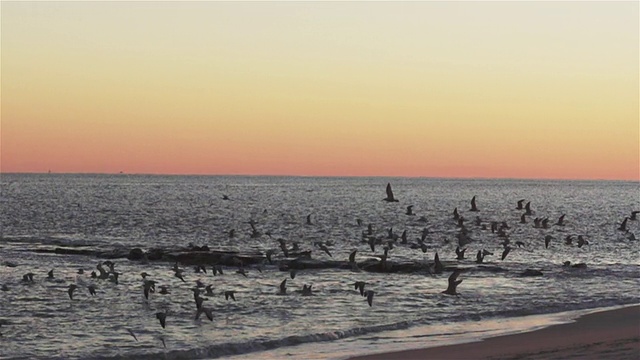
column 429, row 89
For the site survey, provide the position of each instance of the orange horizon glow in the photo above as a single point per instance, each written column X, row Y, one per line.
column 518, row 90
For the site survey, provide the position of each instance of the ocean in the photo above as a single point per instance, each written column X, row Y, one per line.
column 68, row 222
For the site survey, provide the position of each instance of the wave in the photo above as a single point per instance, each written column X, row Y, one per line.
column 240, row 348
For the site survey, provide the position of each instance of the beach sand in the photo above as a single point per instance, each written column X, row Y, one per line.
column 613, row 334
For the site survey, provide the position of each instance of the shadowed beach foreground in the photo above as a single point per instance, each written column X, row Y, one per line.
column 611, row 334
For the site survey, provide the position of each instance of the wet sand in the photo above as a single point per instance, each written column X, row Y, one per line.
column 613, row 334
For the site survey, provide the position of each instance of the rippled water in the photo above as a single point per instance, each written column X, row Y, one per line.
column 106, row 212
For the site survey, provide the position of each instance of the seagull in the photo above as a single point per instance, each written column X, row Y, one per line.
column 132, row 334
column 453, row 283
column 229, row 294
column 369, row 294
column 306, row 290
column 527, row 209
column 162, row 316
column 149, row 286
column 506, row 251
column 72, row 288
column 473, row 204
column 623, row 225
column 206, row 311
column 390, row 197
column 547, row 240
column 359, row 285
column 460, row 253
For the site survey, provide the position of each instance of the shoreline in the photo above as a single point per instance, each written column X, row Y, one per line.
column 608, row 334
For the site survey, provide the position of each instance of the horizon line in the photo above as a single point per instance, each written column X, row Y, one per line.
column 317, row 176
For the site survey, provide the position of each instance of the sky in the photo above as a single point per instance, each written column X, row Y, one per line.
column 416, row 89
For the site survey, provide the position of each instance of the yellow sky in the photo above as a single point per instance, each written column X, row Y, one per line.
column 442, row 89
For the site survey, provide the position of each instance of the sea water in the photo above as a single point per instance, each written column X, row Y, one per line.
column 115, row 213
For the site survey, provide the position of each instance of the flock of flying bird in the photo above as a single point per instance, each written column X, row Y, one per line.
column 201, row 292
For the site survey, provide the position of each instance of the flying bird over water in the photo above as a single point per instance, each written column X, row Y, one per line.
column 547, row 240
column 369, row 294
column 527, row 209
column 229, row 294
column 473, row 204
column 162, row 316
column 453, row 283
column 505, row 252
column 410, row 210
column 560, row 220
column 460, row 253
column 359, row 285
column 132, row 334
column 283, row 287
column 390, row 197
column 72, row 288
column 634, row 215
column 519, row 206
column 623, row 225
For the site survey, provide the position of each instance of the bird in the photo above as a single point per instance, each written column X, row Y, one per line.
column 359, row 285
column 505, row 252
column 229, row 294
column 479, row 257
column 390, row 197
column 453, row 283
column 634, row 215
column 283, row 287
column 132, row 334
column 309, row 220
column 473, row 204
column 50, row 274
column 72, row 288
column 547, row 240
column 178, row 274
column 460, row 253
column 306, row 290
column 527, row 209
column 410, row 210
column 369, row 294
column 149, row 286
column 208, row 312
column 623, row 225
column 519, row 206
column 92, row 289
column 560, row 221
column 162, row 316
